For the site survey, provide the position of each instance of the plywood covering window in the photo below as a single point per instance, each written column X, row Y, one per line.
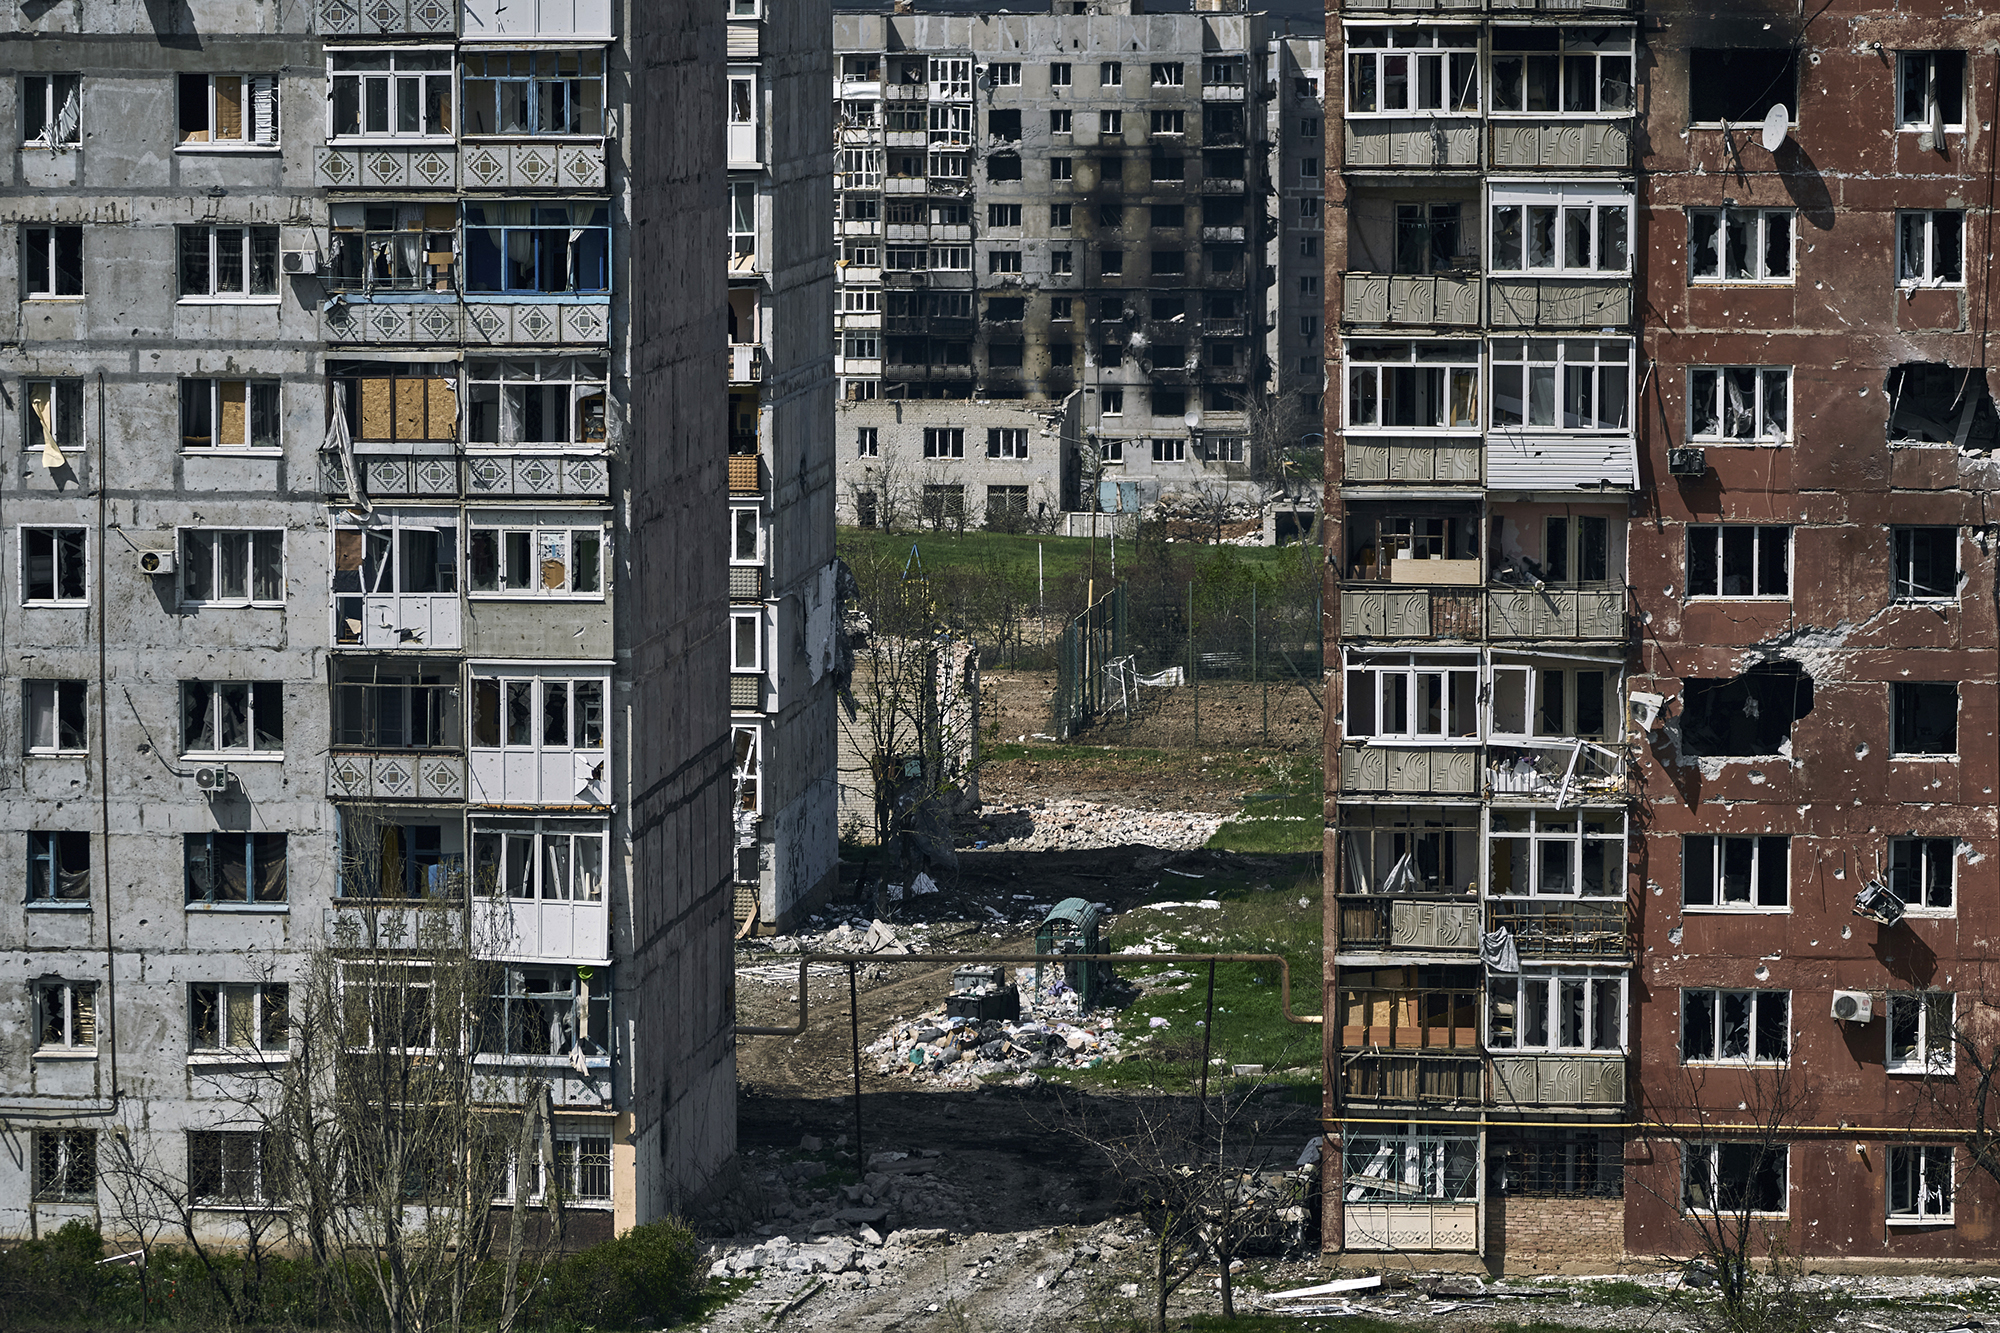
column 229, row 414
column 228, row 110
column 396, row 402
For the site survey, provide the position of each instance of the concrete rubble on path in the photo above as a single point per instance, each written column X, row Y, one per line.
column 1071, row 825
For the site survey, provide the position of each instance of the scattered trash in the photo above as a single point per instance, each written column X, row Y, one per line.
column 1159, row 1022
column 1328, row 1288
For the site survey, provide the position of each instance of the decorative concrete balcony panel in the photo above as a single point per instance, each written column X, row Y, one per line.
column 1427, row 926
column 1397, row 770
column 1555, row 613
column 473, row 323
column 1559, row 1080
column 1559, row 303
column 392, row 928
column 429, row 166
column 536, row 476
column 1400, row 461
column 386, row 18
column 531, row 165
column 1452, row 1227
column 411, row 478
column 1425, row 300
column 1565, row 146
column 1393, row 613
column 1412, row 145
column 407, row 775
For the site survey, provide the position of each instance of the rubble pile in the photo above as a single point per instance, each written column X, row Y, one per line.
column 1069, row 826
column 1050, row 1034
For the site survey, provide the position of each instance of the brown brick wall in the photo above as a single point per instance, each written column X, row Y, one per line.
column 1585, row 1234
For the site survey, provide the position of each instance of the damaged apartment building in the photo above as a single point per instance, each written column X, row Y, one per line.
column 1079, row 261
column 367, row 543
column 1665, row 730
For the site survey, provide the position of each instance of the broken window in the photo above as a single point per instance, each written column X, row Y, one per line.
column 1933, row 403
column 1921, row 872
column 53, row 261
column 228, row 716
column 232, row 568
column 228, row 1167
column 1552, row 229
column 400, row 705
column 1556, row 853
column 233, row 867
column 1748, row 403
column 229, row 414
column 58, row 868
column 1930, row 247
column 1396, row 71
column 1429, row 239
column 54, row 720
column 66, row 1016
column 228, row 109
column 409, row 247
column 1740, row 244
column 1925, row 717
column 548, row 859
column 1926, row 564
column 1921, row 1032
column 1377, row 540
column 1930, row 90
column 1565, row 383
column 1556, row 1012
column 1566, row 701
column 1543, row 71
column 1753, row 1026
column 53, row 567
column 1576, row 549
column 1920, row 1184
column 1421, row 696
column 1739, row 560
column 228, row 263
column 535, row 713
column 1745, row 874
column 1739, row 85
column 1421, row 386
column 65, row 1165
column 533, row 400
column 535, row 92
column 54, row 415
column 536, row 1011
column 409, row 859
column 749, row 742
column 542, row 246
column 1406, row 1168
column 1749, row 715
column 51, row 110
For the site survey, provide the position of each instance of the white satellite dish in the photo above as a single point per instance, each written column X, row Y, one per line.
column 1774, row 127
column 1193, row 418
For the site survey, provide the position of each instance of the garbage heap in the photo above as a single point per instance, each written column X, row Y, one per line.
column 1049, row 1033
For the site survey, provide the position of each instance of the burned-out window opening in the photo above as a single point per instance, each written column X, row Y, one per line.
column 1751, row 714
column 397, row 705
column 1740, row 244
column 1926, row 564
column 1924, row 717
column 1400, row 71
column 1744, row 1026
column 1571, row 71
column 1748, row 404
column 1933, row 403
column 1744, row 874
column 1559, row 1164
column 1739, row 85
column 1430, row 239
column 1922, row 872
column 1739, row 560
column 1930, row 247
column 1930, row 90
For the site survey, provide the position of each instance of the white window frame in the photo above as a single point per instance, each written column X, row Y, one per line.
column 951, row 258
column 34, row 690
column 944, row 442
column 215, row 295
column 1005, row 73
column 1413, row 684
column 1368, row 384
column 1915, row 863
column 1111, row 402
column 1917, row 1011
column 1712, row 383
column 542, row 883
column 859, row 169
column 951, row 78
column 1931, row 268
column 1169, row 74
column 1581, row 221
column 1059, row 74
column 1523, row 359
column 262, row 996
column 865, row 345
column 1110, row 122
column 1754, row 889
column 1111, row 74
column 1549, row 990
column 214, row 689
column 747, row 767
column 55, row 108
column 1757, row 222
column 253, row 388
column 1535, row 680
column 1555, row 841
column 569, row 1146
column 1755, row 1001
column 62, row 398
column 76, row 1016
column 256, row 1194
column 951, row 127
column 1434, row 80
column 498, row 686
column 541, row 543
column 1010, row 442
column 1168, row 122
column 55, row 554
column 257, row 112
column 1709, row 1155
column 44, row 289
column 584, row 380
column 1934, row 1168
column 1757, row 553
column 425, row 133
column 1931, row 119
column 1580, row 75
column 380, row 977
column 255, row 538
column 867, row 441
column 746, row 521
column 1414, row 1165
column 746, row 642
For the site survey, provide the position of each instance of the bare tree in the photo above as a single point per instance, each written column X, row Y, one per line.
column 881, row 497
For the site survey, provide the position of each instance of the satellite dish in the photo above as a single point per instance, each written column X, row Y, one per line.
column 1774, row 127
column 1193, row 418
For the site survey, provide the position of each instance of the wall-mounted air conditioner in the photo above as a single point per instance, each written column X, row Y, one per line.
column 214, row 779
column 1853, row 1006
column 157, row 562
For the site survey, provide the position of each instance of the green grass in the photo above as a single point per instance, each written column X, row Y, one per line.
column 1618, row 1295
column 1286, row 817
column 1018, row 556
column 1260, row 913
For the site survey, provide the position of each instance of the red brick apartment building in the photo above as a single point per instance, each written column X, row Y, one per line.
column 1662, row 514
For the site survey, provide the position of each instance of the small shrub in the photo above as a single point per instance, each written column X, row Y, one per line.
column 653, row 1273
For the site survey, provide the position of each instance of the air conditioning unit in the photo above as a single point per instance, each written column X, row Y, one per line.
column 1687, row 462
column 1645, row 709
column 214, row 779
column 301, row 263
column 1876, row 903
column 1853, row 1006
column 158, row 562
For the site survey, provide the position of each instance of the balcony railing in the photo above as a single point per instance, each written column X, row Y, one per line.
column 539, row 777
column 398, row 620
column 1425, row 300
column 1412, row 145
column 1411, row 1227
column 1409, row 770
column 447, row 320
column 474, row 164
column 1412, row 1078
column 745, row 472
column 1444, row 460
column 386, row 18
column 1380, row 612
column 483, row 475
column 1556, row 613
column 395, row 775
column 1409, row 924
column 1564, row 927
column 1559, row 303
column 1562, row 145
column 1559, row 1080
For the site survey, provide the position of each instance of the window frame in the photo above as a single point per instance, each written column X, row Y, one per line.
column 75, row 1017
column 1553, row 984
column 1934, row 274
column 79, row 706
column 423, row 75
column 868, row 441
column 1716, row 391
column 1756, row 1026
column 61, row 282
column 262, row 398
column 256, row 548
column 1578, row 835
column 263, row 851
column 73, row 1152
column 1932, row 119
column 488, row 384
column 1367, row 360
column 1932, row 1054
column 1604, row 212
column 66, row 414
column 1007, row 442
column 1758, row 247
column 944, row 442
column 592, row 248
column 1763, row 851
column 570, row 1161
column 1711, row 1152
column 746, row 630
column 259, row 696
column 1111, row 74
column 1923, row 1161
column 1920, row 857
column 1564, row 375
column 1570, row 53
column 496, row 688
column 1903, row 556
column 577, row 109
column 1758, row 548
column 257, row 137
column 49, row 881
column 54, row 104
column 266, row 999
column 1413, row 686
column 56, row 538
column 1457, row 79
column 219, row 1156
column 257, row 261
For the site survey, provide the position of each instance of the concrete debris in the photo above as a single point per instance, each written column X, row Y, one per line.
column 1070, row 825
column 939, row 1049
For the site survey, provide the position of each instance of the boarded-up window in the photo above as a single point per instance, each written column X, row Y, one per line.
column 396, row 403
